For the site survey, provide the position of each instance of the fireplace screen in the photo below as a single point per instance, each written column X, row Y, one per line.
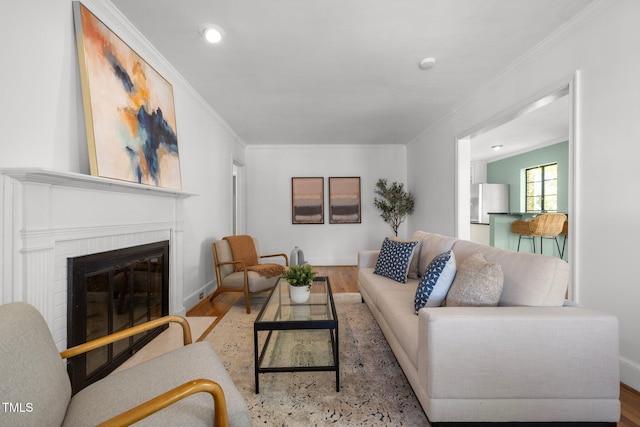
column 109, row 292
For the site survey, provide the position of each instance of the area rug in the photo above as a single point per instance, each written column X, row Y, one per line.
column 373, row 388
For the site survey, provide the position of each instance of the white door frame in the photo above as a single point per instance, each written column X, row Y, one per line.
column 568, row 86
column 238, row 198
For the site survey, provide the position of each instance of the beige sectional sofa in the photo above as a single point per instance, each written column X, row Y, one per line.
column 533, row 358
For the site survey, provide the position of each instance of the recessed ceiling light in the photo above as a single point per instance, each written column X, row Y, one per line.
column 211, row 33
column 427, row 63
column 496, row 147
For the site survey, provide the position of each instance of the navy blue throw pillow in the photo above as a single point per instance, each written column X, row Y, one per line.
column 436, row 281
column 394, row 258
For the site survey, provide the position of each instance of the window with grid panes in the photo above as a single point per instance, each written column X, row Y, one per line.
column 542, row 188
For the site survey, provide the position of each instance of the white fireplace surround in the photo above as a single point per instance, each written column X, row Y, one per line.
column 49, row 216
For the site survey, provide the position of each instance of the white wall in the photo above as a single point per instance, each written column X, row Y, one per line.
column 43, row 123
column 269, row 173
column 430, row 170
column 604, row 50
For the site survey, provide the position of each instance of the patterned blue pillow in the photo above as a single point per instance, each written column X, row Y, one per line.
column 394, row 258
column 436, row 281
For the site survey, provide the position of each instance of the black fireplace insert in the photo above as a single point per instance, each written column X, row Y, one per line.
column 108, row 292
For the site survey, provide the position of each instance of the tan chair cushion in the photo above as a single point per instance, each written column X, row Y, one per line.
column 125, row 389
column 257, row 283
column 224, row 255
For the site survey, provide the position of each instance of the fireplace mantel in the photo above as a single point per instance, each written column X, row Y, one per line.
column 49, row 216
column 78, row 180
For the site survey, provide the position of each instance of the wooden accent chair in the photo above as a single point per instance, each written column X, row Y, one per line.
column 546, row 226
column 232, row 279
column 168, row 390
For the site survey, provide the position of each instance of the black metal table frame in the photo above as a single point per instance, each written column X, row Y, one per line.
column 330, row 325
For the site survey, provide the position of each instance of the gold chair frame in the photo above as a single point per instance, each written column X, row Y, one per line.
column 162, row 401
column 245, row 289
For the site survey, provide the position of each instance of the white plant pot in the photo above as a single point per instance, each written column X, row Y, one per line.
column 299, row 294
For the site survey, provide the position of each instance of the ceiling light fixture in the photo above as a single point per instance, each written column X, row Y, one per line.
column 427, row 63
column 496, row 147
column 211, row 33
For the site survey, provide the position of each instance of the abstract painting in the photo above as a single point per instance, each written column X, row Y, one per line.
column 344, row 200
column 128, row 107
column 307, row 200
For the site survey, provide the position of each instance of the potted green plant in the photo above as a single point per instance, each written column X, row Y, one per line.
column 394, row 203
column 300, row 278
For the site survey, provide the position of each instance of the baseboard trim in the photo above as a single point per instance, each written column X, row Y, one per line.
column 630, row 373
column 193, row 299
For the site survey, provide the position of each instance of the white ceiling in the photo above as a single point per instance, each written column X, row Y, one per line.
column 539, row 128
column 342, row 71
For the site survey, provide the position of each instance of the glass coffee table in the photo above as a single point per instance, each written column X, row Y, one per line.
column 300, row 337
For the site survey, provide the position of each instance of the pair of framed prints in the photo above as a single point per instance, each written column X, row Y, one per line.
column 307, row 200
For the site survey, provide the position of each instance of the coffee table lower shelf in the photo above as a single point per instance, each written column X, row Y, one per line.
column 269, row 360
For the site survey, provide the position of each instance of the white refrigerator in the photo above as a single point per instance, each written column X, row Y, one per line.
column 488, row 198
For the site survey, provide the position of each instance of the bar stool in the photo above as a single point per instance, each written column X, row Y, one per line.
column 546, row 226
column 565, row 233
column 521, row 228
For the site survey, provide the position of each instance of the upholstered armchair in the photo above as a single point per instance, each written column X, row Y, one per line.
column 238, row 267
column 182, row 387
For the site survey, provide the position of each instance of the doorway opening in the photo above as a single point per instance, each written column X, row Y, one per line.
column 238, row 198
column 467, row 168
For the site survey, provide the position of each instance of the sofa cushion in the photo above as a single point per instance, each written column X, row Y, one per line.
column 394, row 258
column 432, row 245
column 436, row 281
column 378, row 287
column 478, row 283
column 395, row 306
column 529, row 279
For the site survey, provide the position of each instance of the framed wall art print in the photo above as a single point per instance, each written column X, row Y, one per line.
column 128, row 107
column 307, row 200
column 344, row 200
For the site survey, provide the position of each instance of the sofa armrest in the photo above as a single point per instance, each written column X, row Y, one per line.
column 518, row 352
column 368, row 259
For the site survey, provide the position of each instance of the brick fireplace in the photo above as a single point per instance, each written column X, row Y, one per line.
column 51, row 216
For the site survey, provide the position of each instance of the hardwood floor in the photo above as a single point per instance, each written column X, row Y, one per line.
column 345, row 279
